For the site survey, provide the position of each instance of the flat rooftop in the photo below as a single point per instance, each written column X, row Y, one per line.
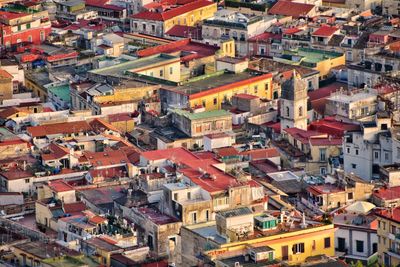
column 345, row 97
column 219, row 79
column 119, row 69
column 61, row 91
column 310, row 55
column 202, row 115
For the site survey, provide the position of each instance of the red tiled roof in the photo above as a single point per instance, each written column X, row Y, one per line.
column 324, row 189
column 56, row 152
column 191, row 166
column 198, row 49
column 5, row 74
column 388, row 193
column 292, row 31
column 29, row 58
column 185, row 32
column 265, row 36
column 11, row 15
column 325, row 31
column 227, row 151
column 103, row 4
column 288, row 8
column 391, row 214
column 106, row 158
column 100, row 125
column 60, row 186
column 16, row 174
column 62, row 56
column 97, row 219
column 169, row 14
column 326, row 91
column 74, row 207
column 246, row 96
column 109, row 172
column 59, row 128
column 259, row 154
column 331, row 126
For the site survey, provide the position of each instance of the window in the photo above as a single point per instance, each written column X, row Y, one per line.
column 322, row 154
column 350, row 195
column 327, row 242
column 287, row 111
column 360, row 246
column 310, row 85
column 298, row 248
column 203, row 103
column 348, row 150
column 194, row 217
column 255, row 89
column 153, row 28
column 27, row 181
column 188, row 195
column 393, row 229
column 42, row 36
column 322, row 171
column 354, row 166
column 300, row 111
column 386, row 156
column 161, row 73
column 19, row 27
column 28, row 25
column 215, row 101
column 171, row 70
column 314, row 245
column 376, row 155
column 356, row 151
column 207, row 215
column 135, row 25
column 175, row 196
column 144, row 27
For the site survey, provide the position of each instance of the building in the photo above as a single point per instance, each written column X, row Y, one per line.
column 20, row 28
column 295, row 10
column 229, row 24
column 327, row 197
column 74, row 10
column 353, row 105
column 293, row 108
column 214, row 89
column 6, row 85
column 320, row 60
column 238, row 232
column 388, row 231
column 365, row 150
column 197, row 123
column 356, row 234
column 157, row 21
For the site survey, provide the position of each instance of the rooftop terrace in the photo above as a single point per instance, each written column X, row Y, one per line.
column 216, row 80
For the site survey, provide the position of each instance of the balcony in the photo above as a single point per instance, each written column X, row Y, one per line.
column 393, row 252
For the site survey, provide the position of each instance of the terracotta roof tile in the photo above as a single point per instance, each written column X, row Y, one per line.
column 288, row 8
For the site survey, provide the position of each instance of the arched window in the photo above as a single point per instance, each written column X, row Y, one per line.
column 300, row 111
column 287, row 111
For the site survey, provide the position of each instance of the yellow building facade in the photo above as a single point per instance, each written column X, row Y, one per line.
column 212, row 99
column 192, row 17
column 389, row 237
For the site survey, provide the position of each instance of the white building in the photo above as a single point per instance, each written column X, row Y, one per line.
column 366, row 150
column 356, row 235
column 229, row 24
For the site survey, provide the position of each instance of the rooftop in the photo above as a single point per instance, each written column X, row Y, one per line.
column 44, row 250
column 288, row 8
column 202, row 115
column 218, row 82
column 59, row 128
column 309, row 55
column 135, row 65
column 172, row 11
column 61, row 91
